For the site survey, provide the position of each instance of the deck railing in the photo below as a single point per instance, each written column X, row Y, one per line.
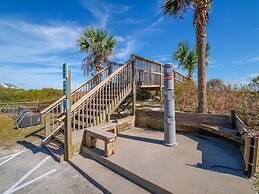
column 150, row 73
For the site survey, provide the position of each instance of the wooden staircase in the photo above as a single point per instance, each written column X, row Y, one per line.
column 94, row 101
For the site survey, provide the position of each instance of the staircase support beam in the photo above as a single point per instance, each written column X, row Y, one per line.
column 133, row 85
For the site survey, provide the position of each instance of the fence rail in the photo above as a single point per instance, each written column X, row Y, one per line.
column 11, row 108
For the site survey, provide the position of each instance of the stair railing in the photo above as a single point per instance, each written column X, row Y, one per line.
column 53, row 112
column 99, row 103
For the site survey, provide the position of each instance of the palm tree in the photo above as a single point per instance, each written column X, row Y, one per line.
column 187, row 58
column 99, row 45
column 177, row 8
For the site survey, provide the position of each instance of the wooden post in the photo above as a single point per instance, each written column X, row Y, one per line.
column 68, row 132
column 161, row 82
column 47, row 124
column 37, row 105
column 133, row 85
column 248, row 140
column 233, row 118
column 256, row 156
column 110, row 69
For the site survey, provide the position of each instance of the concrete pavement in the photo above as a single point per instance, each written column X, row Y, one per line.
column 199, row 164
column 35, row 171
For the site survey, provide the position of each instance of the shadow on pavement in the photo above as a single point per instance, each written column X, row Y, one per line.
column 144, row 139
column 218, row 155
column 34, row 149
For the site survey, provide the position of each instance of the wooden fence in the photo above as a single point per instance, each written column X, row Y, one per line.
column 11, row 108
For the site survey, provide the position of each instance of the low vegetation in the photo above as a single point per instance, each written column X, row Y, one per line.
column 21, row 95
column 10, row 136
column 221, row 99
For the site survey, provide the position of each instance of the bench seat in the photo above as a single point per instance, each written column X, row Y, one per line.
column 92, row 134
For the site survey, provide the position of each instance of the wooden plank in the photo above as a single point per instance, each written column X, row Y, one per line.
column 133, row 86
column 255, row 162
column 248, row 140
column 101, row 134
column 55, row 150
column 220, row 131
column 161, row 82
column 47, row 125
column 233, row 118
column 240, row 125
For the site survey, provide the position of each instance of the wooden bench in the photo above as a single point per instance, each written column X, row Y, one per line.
column 109, row 139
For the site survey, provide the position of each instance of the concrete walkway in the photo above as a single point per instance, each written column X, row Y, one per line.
column 199, row 164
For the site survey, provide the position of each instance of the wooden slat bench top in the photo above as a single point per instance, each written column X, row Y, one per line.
column 101, row 134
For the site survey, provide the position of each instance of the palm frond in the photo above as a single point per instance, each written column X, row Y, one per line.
column 176, row 8
column 99, row 45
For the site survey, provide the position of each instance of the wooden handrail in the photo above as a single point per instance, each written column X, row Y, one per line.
column 148, row 60
column 180, row 74
column 94, row 90
column 155, row 62
column 90, row 79
column 77, row 88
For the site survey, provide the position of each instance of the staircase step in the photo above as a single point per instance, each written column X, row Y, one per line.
column 104, row 178
column 56, row 150
column 60, row 137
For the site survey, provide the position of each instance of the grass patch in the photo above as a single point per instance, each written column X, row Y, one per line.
column 255, row 180
column 11, row 137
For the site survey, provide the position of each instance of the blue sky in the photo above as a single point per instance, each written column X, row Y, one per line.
column 37, row 37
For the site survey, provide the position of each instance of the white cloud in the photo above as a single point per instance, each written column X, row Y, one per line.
column 163, row 58
column 120, row 39
column 103, row 11
column 32, row 77
column 31, row 55
column 125, row 51
column 253, row 59
column 153, row 27
column 242, row 80
column 249, row 60
column 154, row 24
column 24, row 42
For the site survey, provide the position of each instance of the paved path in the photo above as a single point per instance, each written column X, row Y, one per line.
column 199, row 164
column 35, row 171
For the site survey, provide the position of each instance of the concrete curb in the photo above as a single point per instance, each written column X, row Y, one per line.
column 95, row 183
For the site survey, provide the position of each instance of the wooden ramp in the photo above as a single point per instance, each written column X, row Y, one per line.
column 227, row 133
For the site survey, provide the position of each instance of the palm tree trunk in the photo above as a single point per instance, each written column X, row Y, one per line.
column 189, row 74
column 201, row 14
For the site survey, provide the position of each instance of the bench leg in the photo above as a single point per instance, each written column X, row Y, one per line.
column 109, row 148
column 90, row 141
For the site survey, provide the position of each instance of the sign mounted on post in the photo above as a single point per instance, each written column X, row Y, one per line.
column 169, row 114
column 168, row 77
column 65, row 70
column 65, row 85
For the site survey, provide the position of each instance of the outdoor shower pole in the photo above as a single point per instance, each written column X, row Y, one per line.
column 169, row 114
